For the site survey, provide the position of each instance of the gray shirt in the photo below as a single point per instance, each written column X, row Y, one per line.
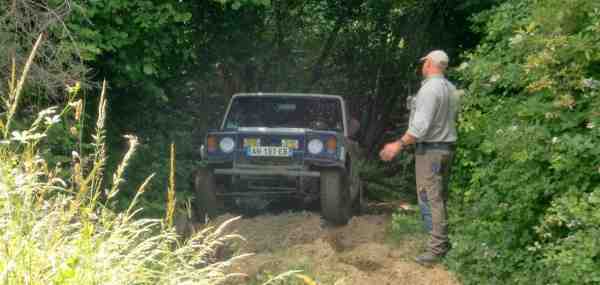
column 434, row 111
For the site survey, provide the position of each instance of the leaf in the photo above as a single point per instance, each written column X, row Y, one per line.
column 149, row 69
column 183, row 17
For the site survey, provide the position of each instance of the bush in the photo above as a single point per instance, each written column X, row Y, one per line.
column 389, row 181
column 528, row 169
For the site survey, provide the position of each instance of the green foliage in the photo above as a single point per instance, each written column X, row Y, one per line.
column 526, row 183
column 133, row 41
column 159, row 57
column 167, row 59
column 236, row 4
column 385, row 181
column 407, row 224
column 137, row 43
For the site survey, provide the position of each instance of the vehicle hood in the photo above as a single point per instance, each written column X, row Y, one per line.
column 265, row 130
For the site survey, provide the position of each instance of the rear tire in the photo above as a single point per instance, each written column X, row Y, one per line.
column 335, row 197
column 205, row 187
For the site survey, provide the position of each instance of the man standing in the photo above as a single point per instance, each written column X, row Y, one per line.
column 432, row 127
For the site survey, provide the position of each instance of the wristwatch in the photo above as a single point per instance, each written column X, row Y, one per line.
column 402, row 144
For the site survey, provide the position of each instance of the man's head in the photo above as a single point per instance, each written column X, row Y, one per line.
column 435, row 63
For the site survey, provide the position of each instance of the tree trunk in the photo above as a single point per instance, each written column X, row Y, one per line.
column 327, row 47
column 277, row 6
column 374, row 125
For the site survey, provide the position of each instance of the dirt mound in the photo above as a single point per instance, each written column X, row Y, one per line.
column 353, row 254
column 269, row 233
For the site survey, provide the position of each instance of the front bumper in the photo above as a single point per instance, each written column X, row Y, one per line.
column 268, row 172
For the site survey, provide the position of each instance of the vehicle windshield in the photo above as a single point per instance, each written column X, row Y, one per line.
column 285, row 112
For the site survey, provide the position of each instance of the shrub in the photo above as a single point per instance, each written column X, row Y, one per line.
column 528, row 170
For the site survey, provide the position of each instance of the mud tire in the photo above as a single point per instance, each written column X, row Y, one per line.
column 335, row 197
column 205, row 199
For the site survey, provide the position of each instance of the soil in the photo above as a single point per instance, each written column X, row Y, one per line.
column 360, row 252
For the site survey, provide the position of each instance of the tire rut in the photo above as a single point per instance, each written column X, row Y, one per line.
column 356, row 253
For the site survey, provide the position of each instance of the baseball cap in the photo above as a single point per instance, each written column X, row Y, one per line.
column 438, row 56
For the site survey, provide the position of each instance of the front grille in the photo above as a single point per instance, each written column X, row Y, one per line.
column 271, row 184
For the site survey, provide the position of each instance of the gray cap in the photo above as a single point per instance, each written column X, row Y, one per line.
column 438, row 57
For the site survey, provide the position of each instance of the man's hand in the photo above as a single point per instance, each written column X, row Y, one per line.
column 390, row 150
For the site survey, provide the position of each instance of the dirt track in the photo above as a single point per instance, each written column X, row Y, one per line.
column 355, row 254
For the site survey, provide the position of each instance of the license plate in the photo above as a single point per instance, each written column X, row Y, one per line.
column 269, row 151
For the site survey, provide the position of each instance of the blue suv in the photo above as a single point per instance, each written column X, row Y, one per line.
column 281, row 145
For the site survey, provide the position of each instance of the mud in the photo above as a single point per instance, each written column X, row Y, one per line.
column 358, row 253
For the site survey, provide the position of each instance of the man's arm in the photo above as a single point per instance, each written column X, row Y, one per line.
column 392, row 149
column 424, row 113
column 425, row 109
column 407, row 139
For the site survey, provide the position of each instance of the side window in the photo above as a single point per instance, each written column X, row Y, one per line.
column 233, row 117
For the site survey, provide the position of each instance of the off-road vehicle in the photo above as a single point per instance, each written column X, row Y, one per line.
column 271, row 146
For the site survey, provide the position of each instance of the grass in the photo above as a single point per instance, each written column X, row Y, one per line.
column 407, row 226
column 57, row 225
column 298, row 275
column 60, row 230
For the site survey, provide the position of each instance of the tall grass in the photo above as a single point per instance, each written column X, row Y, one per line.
column 58, row 229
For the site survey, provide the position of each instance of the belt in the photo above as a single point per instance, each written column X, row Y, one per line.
column 424, row 146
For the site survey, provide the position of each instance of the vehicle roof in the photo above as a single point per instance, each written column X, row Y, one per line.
column 284, row 94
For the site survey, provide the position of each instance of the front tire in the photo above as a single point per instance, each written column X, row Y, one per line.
column 205, row 188
column 335, row 197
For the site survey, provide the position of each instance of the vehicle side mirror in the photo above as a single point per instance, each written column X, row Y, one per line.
column 353, row 127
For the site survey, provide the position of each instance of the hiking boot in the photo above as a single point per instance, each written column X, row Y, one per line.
column 428, row 259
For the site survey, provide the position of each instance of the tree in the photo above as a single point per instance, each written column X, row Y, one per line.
column 58, row 64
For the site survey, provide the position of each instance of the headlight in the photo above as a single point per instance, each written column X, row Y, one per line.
column 315, row 146
column 226, row 145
